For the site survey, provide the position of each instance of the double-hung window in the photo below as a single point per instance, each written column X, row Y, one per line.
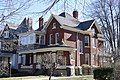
column 42, row 39
column 81, row 47
column 86, row 41
column 51, row 39
column 6, row 34
column 57, row 38
column 37, row 38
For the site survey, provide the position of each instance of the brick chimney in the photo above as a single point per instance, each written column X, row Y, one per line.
column 41, row 20
column 75, row 14
column 29, row 23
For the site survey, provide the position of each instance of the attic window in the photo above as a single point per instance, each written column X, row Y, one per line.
column 6, row 34
column 54, row 25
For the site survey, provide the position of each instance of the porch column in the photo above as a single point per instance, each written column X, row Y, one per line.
column 34, row 61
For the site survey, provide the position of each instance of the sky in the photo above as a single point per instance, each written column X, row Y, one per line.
column 69, row 7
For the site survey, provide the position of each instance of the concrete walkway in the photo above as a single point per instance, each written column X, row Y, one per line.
column 59, row 78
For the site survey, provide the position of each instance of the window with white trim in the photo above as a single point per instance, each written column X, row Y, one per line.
column 37, row 38
column 86, row 58
column 31, row 39
column 86, row 41
column 42, row 40
column 6, row 34
column 51, row 39
column 57, row 38
column 81, row 47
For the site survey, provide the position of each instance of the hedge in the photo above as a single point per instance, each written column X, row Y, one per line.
column 103, row 73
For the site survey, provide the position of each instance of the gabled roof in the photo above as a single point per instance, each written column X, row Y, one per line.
column 12, row 36
column 68, row 21
column 85, row 25
column 22, row 27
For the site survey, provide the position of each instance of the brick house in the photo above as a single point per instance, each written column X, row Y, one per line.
column 63, row 40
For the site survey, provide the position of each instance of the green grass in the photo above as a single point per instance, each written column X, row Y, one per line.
column 24, row 77
column 33, row 77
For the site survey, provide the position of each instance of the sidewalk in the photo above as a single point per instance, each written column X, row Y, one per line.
column 59, row 78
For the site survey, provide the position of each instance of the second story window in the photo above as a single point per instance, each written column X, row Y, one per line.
column 37, row 38
column 57, row 38
column 42, row 39
column 86, row 41
column 81, row 47
column 31, row 39
column 51, row 39
column 6, row 34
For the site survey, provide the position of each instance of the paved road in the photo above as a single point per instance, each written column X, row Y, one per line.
column 59, row 78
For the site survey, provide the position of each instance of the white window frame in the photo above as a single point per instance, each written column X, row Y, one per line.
column 51, row 38
column 43, row 39
column 31, row 39
column 56, row 38
column 6, row 34
column 81, row 47
column 38, row 38
column 87, row 40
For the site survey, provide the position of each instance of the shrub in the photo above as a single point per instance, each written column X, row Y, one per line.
column 86, row 69
column 103, row 73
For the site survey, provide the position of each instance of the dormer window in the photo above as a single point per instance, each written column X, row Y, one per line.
column 54, row 25
column 6, row 34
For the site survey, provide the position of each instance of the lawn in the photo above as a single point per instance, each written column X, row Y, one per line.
column 23, row 77
column 39, row 77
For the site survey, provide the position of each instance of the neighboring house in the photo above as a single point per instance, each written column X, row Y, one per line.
column 8, row 45
column 63, row 40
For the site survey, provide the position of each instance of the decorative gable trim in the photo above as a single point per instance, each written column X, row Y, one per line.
column 96, row 24
column 49, row 21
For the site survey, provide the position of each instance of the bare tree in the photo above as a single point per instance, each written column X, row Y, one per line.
column 108, row 14
column 11, row 10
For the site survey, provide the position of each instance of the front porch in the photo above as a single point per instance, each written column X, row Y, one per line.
column 43, row 59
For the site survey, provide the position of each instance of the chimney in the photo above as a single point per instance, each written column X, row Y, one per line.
column 75, row 14
column 41, row 20
column 29, row 23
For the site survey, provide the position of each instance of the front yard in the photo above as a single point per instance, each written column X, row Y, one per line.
column 45, row 78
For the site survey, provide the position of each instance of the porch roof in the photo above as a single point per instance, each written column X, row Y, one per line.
column 49, row 48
